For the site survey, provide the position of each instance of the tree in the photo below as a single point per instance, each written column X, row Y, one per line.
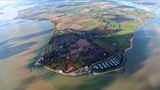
column 119, row 26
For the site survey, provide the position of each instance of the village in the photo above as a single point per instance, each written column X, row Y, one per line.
column 113, row 62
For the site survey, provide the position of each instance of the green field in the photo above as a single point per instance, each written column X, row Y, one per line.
column 74, row 11
column 90, row 24
column 122, row 36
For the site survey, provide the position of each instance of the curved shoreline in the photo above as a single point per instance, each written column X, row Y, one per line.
column 119, row 67
column 128, row 47
column 74, row 74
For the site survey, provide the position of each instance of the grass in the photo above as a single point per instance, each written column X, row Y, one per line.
column 128, row 27
column 70, row 10
column 122, row 36
column 97, row 10
column 95, row 14
column 90, row 24
column 74, row 11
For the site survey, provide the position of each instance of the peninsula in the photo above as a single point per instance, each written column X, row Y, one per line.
column 88, row 37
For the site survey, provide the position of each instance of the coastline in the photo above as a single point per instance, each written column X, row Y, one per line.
column 119, row 67
column 130, row 45
column 74, row 74
column 64, row 74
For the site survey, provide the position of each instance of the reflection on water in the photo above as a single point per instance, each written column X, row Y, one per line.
column 143, row 59
column 9, row 51
column 19, row 42
column 146, row 41
column 19, row 37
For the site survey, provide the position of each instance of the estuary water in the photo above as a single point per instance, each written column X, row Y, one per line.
column 22, row 40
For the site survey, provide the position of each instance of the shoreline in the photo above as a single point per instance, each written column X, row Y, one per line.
column 128, row 47
column 64, row 74
column 119, row 67
column 72, row 74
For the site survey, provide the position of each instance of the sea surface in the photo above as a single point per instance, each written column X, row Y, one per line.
column 22, row 40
